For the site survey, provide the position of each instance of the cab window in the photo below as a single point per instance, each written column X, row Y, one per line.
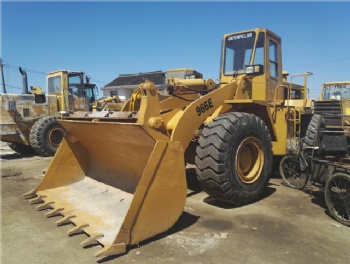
column 54, row 84
column 75, row 85
column 260, row 51
column 238, row 52
column 273, row 59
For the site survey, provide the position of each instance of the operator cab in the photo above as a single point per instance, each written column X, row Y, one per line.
column 335, row 90
column 71, row 90
column 256, row 53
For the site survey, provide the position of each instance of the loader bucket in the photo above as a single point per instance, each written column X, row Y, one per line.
column 115, row 182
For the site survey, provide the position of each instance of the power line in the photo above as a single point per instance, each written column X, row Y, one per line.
column 97, row 80
column 10, row 66
column 11, row 86
column 34, row 71
column 319, row 63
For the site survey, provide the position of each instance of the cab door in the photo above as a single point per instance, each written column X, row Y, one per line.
column 77, row 98
column 274, row 67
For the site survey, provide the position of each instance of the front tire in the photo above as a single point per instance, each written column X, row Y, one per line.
column 46, row 136
column 234, row 158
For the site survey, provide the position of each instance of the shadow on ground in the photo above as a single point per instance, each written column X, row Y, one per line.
column 14, row 156
column 185, row 220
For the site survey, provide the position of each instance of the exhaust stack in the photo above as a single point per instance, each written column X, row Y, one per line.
column 24, row 80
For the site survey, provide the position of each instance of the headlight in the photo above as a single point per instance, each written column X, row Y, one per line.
column 254, row 69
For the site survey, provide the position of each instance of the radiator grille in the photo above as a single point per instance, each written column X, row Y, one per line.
column 25, row 112
column 330, row 110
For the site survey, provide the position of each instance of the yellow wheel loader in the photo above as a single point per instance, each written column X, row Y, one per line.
column 119, row 176
column 29, row 120
column 334, row 105
column 107, row 103
column 332, row 118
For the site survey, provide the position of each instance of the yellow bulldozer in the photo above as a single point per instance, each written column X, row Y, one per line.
column 120, row 176
column 29, row 120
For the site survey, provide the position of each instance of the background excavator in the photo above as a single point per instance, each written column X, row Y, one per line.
column 119, row 176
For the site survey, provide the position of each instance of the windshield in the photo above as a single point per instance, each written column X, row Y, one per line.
column 176, row 74
column 90, row 92
column 75, row 84
column 54, row 84
column 336, row 91
column 238, row 52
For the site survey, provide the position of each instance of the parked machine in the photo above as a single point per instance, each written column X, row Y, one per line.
column 107, row 103
column 325, row 164
column 183, row 73
column 332, row 116
column 29, row 120
column 335, row 103
column 116, row 103
column 119, row 176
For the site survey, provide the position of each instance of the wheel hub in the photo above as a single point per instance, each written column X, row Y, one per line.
column 249, row 160
column 55, row 137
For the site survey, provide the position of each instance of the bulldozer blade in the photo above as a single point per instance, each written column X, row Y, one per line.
column 117, row 182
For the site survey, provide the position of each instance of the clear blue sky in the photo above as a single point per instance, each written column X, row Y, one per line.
column 111, row 38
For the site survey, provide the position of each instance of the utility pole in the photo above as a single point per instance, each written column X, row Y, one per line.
column 2, row 76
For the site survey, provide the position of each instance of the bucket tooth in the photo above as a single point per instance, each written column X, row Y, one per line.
column 46, row 205
column 36, row 200
column 54, row 212
column 65, row 220
column 77, row 229
column 30, row 194
column 91, row 239
column 114, row 249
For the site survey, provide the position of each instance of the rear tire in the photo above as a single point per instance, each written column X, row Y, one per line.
column 337, row 196
column 21, row 149
column 312, row 135
column 46, row 136
column 234, row 158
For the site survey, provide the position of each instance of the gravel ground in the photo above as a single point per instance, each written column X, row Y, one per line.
column 285, row 226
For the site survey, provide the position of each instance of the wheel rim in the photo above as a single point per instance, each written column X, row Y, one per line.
column 291, row 172
column 55, row 137
column 289, row 166
column 249, row 160
column 339, row 198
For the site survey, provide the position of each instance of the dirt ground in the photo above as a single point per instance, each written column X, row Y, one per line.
column 285, row 226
